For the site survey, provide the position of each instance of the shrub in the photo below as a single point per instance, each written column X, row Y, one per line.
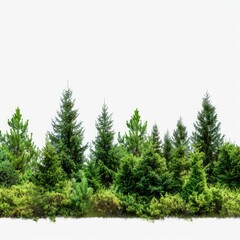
column 199, row 203
column 80, row 198
column 17, row 201
column 169, row 205
column 106, row 203
column 230, row 205
column 8, row 174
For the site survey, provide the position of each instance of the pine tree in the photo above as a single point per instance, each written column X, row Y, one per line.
column 18, row 144
column 179, row 164
column 167, row 147
column 196, row 182
column 151, row 175
column 67, row 135
column 207, row 137
column 227, row 167
column 180, row 135
column 125, row 177
column 136, row 136
column 104, row 153
column 49, row 171
column 157, row 142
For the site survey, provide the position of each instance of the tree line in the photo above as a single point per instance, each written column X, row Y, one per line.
column 140, row 175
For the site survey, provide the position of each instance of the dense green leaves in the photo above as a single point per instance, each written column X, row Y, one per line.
column 104, row 152
column 18, row 144
column 138, row 176
column 227, row 168
column 207, row 137
column 49, row 172
column 134, row 139
column 67, row 135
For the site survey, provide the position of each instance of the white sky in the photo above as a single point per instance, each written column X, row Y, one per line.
column 160, row 58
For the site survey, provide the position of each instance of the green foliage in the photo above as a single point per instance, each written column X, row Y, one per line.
column 133, row 205
column 67, row 135
column 17, row 201
column 196, row 181
column 136, row 136
column 207, row 137
column 81, row 195
column 167, row 147
column 195, row 190
column 179, row 165
column 227, row 167
column 8, row 175
column 157, row 142
column 169, row 205
column 230, row 204
column 49, row 173
column 151, row 175
column 104, row 152
column 125, row 181
column 106, row 203
column 18, row 144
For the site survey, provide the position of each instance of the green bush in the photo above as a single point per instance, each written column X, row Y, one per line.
column 17, row 201
column 169, row 205
column 8, row 174
column 231, row 204
column 134, row 206
column 199, row 203
column 80, row 198
column 106, row 203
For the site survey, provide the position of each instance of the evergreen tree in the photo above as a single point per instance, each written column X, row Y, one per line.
column 167, row 147
column 8, row 174
column 179, row 164
column 151, row 176
column 49, row 171
column 207, row 137
column 18, row 144
column 104, row 151
column 227, row 167
column 196, row 182
column 136, row 136
column 157, row 142
column 180, row 135
column 67, row 135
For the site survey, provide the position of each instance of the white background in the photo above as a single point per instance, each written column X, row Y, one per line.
column 158, row 56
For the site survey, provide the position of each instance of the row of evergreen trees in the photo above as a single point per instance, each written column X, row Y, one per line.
column 139, row 165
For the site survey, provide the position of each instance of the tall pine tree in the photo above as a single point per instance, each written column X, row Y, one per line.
column 207, row 137
column 18, row 144
column 49, row 172
column 157, row 142
column 136, row 136
column 179, row 164
column 104, row 150
column 67, row 135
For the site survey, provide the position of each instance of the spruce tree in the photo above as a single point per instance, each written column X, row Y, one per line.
column 157, row 142
column 18, row 144
column 67, row 135
column 104, row 150
column 207, row 137
column 196, row 181
column 179, row 164
column 152, row 178
column 136, row 136
column 49, row 172
column 125, row 177
column 227, row 167
column 167, row 147
column 180, row 135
